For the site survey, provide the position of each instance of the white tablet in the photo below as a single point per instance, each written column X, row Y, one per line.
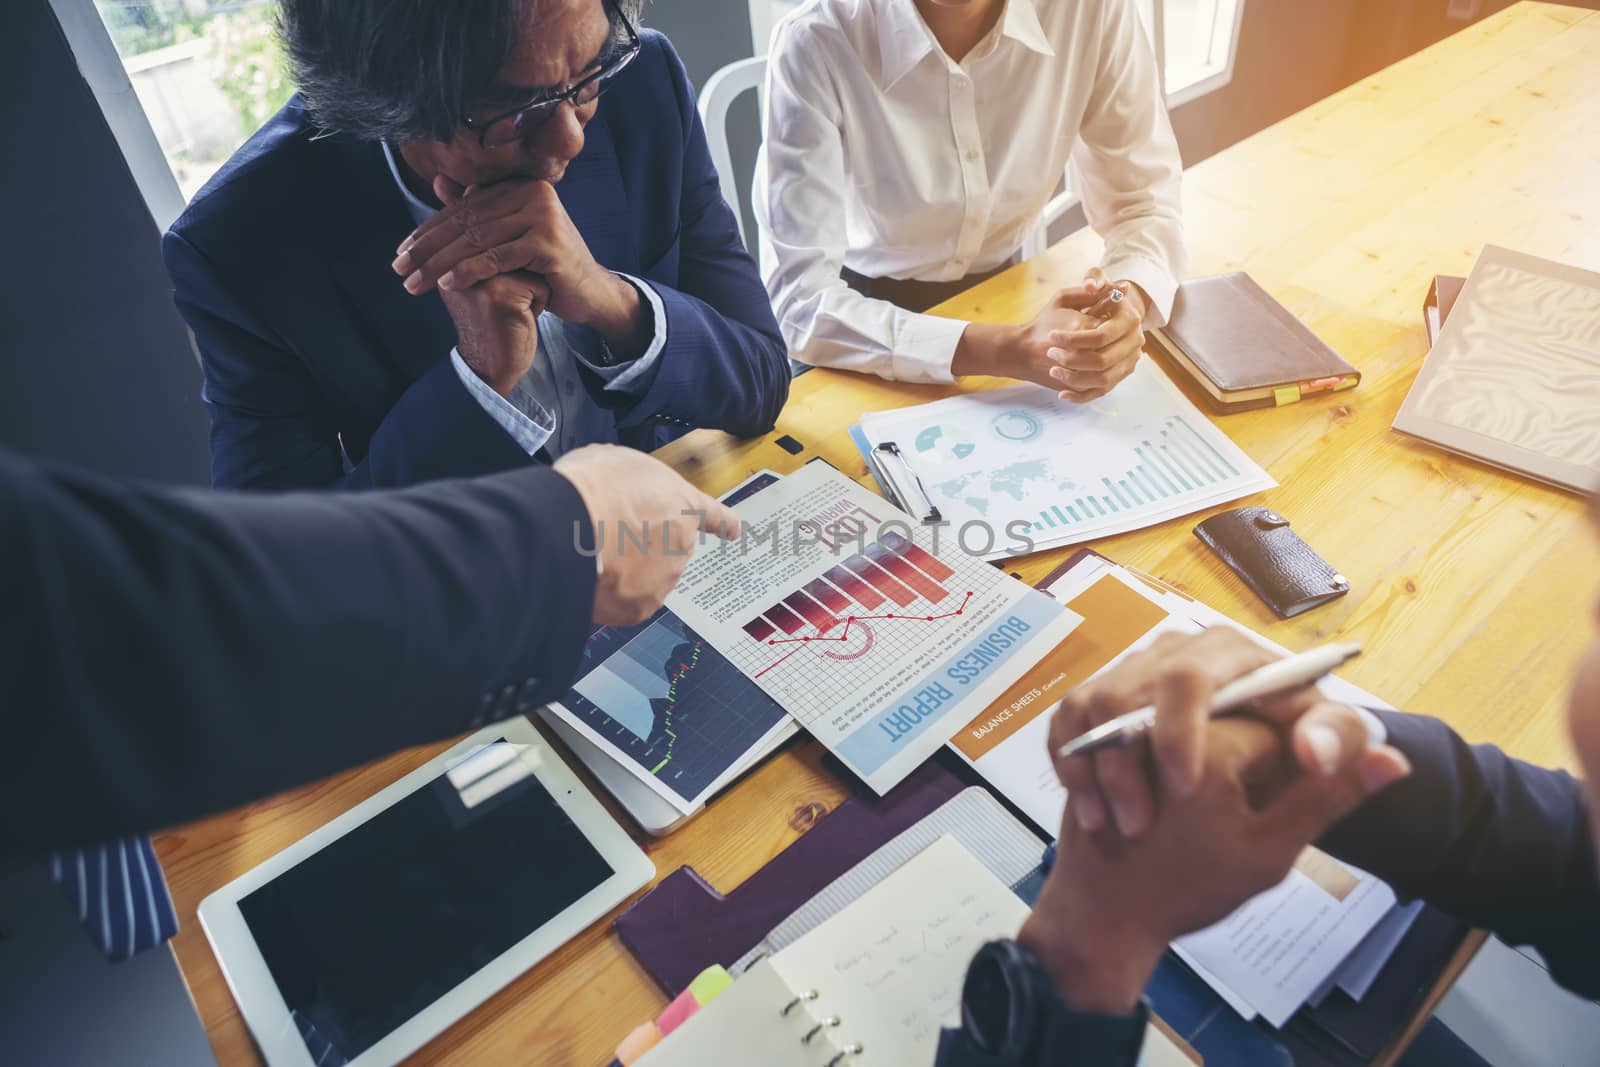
column 364, row 940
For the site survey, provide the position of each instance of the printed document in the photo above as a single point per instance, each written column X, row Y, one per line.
column 877, row 635
column 1051, row 473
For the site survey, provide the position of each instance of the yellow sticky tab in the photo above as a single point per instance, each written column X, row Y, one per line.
column 709, row 984
column 1289, row 394
column 1348, row 382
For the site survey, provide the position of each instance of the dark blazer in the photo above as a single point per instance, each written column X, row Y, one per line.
column 169, row 653
column 1497, row 842
column 1503, row 844
column 281, row 267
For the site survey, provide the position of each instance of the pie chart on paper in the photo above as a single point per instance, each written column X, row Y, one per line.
column 1017, row 425
column 943, row 444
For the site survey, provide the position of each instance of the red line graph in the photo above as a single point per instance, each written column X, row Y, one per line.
column 851, row 619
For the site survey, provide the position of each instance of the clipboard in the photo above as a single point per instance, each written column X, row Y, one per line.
column 896, row 478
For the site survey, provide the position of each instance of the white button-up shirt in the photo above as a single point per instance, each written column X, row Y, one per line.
column 882, row 154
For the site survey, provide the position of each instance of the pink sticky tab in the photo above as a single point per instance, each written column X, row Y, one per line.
column 678, row 1012
column 645, row 1037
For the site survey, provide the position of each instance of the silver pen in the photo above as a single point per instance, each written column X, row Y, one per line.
column 1279, row 676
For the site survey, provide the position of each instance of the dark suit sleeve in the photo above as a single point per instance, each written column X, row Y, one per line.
column 1497, row 842
column 165, row 654
column 270, row 426
column 724, row 364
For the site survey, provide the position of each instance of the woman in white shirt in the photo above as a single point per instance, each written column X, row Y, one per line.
column 911, row 145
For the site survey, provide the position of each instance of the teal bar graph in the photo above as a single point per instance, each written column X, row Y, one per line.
column 1164, row 463
column 1151, row 479
column 1173, row 461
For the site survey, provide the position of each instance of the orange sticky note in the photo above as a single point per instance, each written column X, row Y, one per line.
column 645, row 1037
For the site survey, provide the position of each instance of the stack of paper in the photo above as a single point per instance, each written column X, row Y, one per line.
column 1326, row 926
column 1037, row 472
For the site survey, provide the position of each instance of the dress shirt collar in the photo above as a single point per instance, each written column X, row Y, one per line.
column 904, row 39
column 1021, row 24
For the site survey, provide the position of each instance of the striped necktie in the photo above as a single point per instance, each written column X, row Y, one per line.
column 120, row 893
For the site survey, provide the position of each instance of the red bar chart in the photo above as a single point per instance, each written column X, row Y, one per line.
column 892, row 572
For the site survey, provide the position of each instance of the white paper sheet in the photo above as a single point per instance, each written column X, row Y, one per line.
column 1279, row 947
column 1356, row 974
column 874, row 635
column 1065, row 473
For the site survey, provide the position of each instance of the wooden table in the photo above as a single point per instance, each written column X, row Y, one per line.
column 1469, row 586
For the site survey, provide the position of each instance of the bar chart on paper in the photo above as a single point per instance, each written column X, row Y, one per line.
column 878, row 636
column 1066, row 473
column 869, row 608
column 1178, row 461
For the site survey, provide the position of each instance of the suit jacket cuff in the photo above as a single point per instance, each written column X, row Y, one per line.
column 633, row 376
column 438, row 430
column 566, row 598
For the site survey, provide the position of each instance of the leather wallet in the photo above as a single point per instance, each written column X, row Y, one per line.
column 1257, row 544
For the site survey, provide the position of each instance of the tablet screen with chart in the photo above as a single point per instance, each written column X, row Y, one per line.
column 659, row 698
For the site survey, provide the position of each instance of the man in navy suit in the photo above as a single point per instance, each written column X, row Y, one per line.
column 168, row 653
column 570, row 272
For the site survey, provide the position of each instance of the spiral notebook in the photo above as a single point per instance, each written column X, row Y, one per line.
column 873, row 985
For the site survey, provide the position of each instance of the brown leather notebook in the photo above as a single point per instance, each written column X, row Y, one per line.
column 1243, row 348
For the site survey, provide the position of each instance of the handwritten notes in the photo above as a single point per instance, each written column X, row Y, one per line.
column 890, row 966
column 885, row 973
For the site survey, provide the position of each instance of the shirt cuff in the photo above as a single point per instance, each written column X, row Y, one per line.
column 1157, row 281
column 1377, row 732
column 530, row 430
column 924, row 347
column 629, row 376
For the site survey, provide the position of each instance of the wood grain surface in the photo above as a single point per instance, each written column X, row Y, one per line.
column 1470, row 587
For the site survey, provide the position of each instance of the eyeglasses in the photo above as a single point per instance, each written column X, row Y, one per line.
column 518, row 124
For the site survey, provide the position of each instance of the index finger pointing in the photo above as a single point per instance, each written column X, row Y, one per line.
column 718, row 518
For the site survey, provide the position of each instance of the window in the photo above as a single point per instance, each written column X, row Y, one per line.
column 207, row 73
column 1199, row 38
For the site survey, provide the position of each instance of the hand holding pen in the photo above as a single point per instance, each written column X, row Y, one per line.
column 1092, row 360
column 1176, row 683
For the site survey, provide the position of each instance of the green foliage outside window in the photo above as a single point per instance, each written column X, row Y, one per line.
column 248, row 65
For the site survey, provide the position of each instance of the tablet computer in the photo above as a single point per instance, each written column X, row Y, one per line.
column 370, row 936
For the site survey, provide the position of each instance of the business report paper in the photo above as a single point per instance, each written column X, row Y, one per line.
column 878, row 634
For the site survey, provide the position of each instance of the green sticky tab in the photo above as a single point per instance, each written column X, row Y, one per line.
column 709, row 984
column 1289, row 394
